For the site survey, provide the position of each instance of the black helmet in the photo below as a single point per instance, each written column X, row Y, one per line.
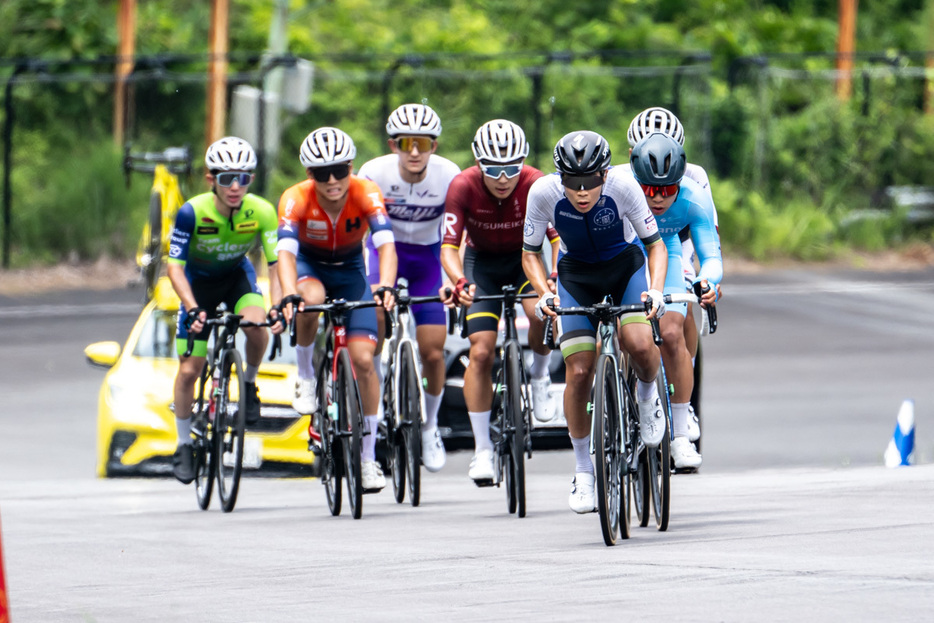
column 582, row 153
column 658, row 160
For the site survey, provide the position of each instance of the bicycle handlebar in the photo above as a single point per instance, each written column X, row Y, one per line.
column 339, row 305
column 176, row 159
column 233, row 322
column 603, row 312
column 687, row 297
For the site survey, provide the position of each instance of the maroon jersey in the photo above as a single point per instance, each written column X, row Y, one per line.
column 493, row 225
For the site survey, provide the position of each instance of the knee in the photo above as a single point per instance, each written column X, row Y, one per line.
column 432, row 357
column 577, row 375
column 481, row 355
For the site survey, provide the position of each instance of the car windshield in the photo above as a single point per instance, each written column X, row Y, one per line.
column 157, row 339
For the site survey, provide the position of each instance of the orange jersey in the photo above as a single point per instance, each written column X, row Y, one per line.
column 302, row 219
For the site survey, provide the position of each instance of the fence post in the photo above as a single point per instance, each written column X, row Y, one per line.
column 8, row 161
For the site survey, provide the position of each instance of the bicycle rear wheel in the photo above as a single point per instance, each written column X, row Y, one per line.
column 332, row 461
column 351, row 431
column 203, row 430
column 395, row 439
column 608, row 447
column 642, row 489
column 515, row 422
column 230, row 425
column 410, row 411
column 696, row 394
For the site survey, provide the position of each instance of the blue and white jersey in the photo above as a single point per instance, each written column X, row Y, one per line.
column 619, row 216
column 692, row 208
column 415, row 210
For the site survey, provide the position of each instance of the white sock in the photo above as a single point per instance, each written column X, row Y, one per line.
column 646, row 391
column 249, row 375
column 303, row 355
column 679, row 418
column 583, row 464
column 693, row 360
column 480, row 424
column 432, row 406
column 539, row 367
column 369, row 441
column 184, row 431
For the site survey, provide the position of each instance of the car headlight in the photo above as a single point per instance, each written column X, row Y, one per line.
column 129, row 404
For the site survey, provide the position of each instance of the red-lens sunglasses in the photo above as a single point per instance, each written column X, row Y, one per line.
column 664, row 191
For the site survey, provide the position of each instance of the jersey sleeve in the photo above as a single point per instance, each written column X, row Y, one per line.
column 289, row 213
column 377, row 217
column 181, row 234
column 268, row 226
column 706, row 239
column 538, row 216
column 455, row 213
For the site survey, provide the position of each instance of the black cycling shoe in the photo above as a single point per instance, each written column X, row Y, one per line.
column 252, row 404
column 183, row 464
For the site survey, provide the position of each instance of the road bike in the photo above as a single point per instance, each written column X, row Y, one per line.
column 511, row 424
column 165, row 198
column 219, row 412
column 403, row 397
column 621, row 459
column 337, row 423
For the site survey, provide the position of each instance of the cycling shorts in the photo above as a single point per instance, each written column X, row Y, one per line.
column 491, row 271
column 344, row 280
column 581, row 284
column 421, row 266
column 237, row 289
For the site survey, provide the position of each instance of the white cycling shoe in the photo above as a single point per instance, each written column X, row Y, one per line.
column 481, row 466
column 304, row 401
column 582, row 499
column 684, row 454
column 543, row 407
column 371, row 476
column 433, row 455
column 693, row 425
column 651, row 422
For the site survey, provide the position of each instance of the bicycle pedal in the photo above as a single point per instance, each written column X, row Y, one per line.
column 368, row 491
column 684, row 470
column 484, row 482
column 315, row 449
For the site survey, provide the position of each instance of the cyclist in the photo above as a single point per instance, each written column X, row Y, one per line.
column 208, row 266
column 598, row 213
column 322, row 223
column 658, row 119
column 414, row 181
column 488, row 202
column 658, row 164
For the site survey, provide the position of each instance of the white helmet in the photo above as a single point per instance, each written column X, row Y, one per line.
column 327, row 146
column 230, row 154
column 653, row 120
column 499, row 141
column 414, row 119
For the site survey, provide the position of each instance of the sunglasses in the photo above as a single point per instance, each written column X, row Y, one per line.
column 323, row 174
column 423, row 143
column 664, row 191
column 496, row 170
column 227, row 179
column 582, row 182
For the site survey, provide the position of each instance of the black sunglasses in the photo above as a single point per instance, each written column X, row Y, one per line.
column 582, row 182
column 323, row 174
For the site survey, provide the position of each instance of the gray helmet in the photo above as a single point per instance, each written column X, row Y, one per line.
column 658, row 160
column 582, row 153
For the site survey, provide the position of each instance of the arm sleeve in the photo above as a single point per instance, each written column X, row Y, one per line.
column 181, row 235
column 706, row 240
column 268, row 226
column 454, row 215
column 377, row 217
column 289, row 215
column 537, row 219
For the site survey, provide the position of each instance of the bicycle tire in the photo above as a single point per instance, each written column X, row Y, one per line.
column 203, row 430
column 410, row 408
column 642, row 490
column 696, row 393
column 395, row 439
column 229, row 429
column 517, row 430
column 660, row 459
column 332, row 461
column 350, row 421
column 152, row 269
column 608, row 446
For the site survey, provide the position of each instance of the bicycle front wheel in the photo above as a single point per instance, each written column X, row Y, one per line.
column 660, row 459
column 608, row 453
column 410, row 412
column 332, row 466
column 230, row 425
column 515, row 420
column 203, row 430
column 152, row 265
column 350, row 421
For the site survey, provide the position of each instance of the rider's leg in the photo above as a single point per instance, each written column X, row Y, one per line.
column 478, row 388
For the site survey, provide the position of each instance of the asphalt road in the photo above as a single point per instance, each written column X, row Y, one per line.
column 792, row 515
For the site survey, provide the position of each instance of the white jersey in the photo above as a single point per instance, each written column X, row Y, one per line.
column 415, row 210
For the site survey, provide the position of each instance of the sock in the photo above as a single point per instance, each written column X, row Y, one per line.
column 539, row 367
column 184, row 431
column 303, row 355
column 679, row 418
column 432, row 406
column 480, row 423
column 249, row 375
column 369, row 441
column 646, row 391
column 693, row 360
column 583, row 464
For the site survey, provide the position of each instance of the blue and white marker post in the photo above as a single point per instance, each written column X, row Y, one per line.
column 901, row 448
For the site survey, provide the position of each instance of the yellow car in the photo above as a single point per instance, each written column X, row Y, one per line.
column 136, row 432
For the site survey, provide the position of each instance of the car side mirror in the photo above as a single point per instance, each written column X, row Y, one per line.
column 102, row 354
